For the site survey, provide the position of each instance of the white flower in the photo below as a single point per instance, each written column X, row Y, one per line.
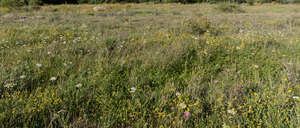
column 23, row 76
column 49, row 53
column 64, row 42
column 196, row 38
column 231, row 112
column 182, row 105
column 9, row 85
column 255, row 66
column 178, row 94
column 132, row 90
column 295, row 97
column 78, row 85
column 65, row 64
column 39, row 65
column 53, row 78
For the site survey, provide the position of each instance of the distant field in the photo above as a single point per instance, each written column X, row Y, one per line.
column 150, row 65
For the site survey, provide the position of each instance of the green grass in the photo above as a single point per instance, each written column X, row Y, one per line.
column 147, row 65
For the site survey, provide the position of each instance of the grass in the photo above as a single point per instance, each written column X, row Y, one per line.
column 150, row 65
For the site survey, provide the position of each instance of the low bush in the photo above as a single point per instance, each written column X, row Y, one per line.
column 230, row 8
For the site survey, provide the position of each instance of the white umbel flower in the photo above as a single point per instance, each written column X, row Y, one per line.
column 9, row 85
column 53, row 79
column 39, row 65
column 23, row 77
column 78, row 85
column 132, row 90
column 231, row 112
column 182, row 105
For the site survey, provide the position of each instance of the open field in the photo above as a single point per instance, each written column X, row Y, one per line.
column 150, row 65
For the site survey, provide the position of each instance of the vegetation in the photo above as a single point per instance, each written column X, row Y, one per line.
column 145, row 65
column 18, row 3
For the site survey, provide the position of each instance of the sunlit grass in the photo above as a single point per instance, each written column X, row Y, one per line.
column 150, row 65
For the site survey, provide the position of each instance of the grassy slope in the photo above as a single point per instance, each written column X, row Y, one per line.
column 229, row 69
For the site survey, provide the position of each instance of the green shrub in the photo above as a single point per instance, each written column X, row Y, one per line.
column 250, row 2
column 12, row 3
column 229, row 8
column 35, row 2
column 198, row 26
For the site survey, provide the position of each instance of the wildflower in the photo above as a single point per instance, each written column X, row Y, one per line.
column 64, row 42
column 186, row 115
column 182, row 105
column 65, row 64
column 255, row 66
column 53, row 78
column 188, row 91
column 216, row 81
column 231, row 112
column 78, row 85
column 132, row 90
column 172, row 108
column 49, row 53
column 163, row 97
column 178, row 94
column 39, row 65
column 195, row 38
column 295, row 97
column 148, row 93
column 227, row 70
column 23, row 76
column 9, row 85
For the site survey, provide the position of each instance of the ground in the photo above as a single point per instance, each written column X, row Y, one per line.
column 150, row 65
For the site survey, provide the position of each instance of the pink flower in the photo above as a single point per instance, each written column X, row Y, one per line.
column 227, row 70
column 172, row 108
column 216, row 81
column 186, row 115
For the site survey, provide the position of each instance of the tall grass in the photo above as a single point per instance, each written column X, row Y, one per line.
column 18, row 3
column 194, row 73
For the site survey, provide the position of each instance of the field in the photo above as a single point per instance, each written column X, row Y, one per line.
column 150, row 65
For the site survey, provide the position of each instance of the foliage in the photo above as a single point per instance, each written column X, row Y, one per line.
column 230, row 8
column 18, row 3
column 74, row 67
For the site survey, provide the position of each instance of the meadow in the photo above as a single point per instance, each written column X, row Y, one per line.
column 150, row 65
